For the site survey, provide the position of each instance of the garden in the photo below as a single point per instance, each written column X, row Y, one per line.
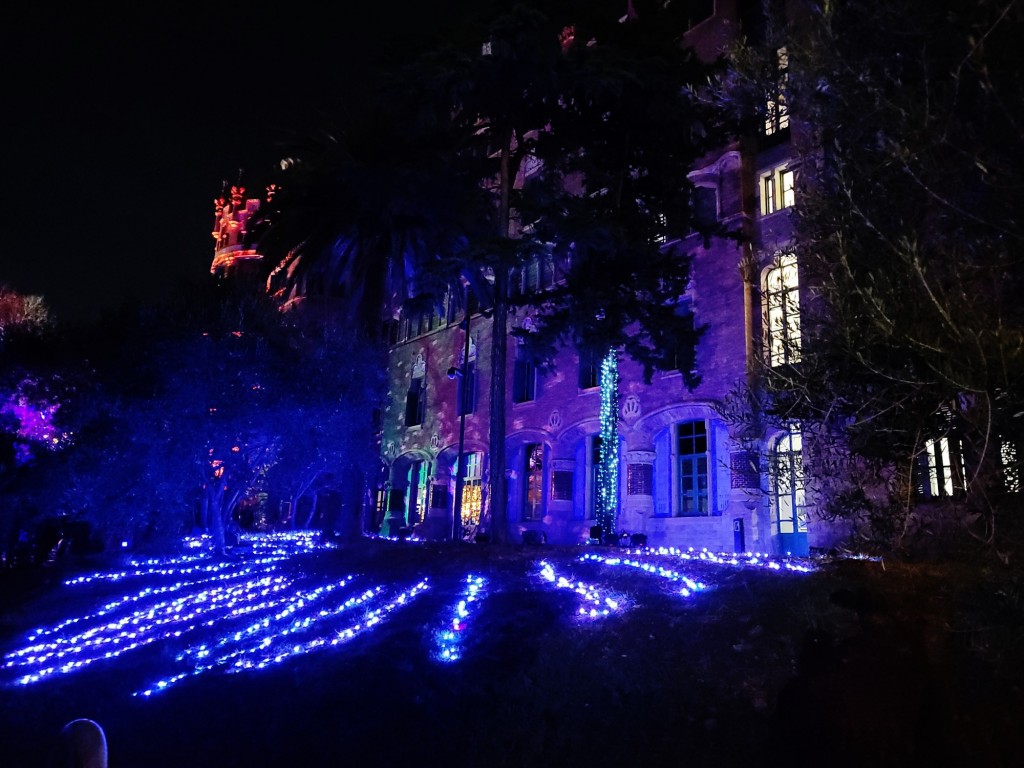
column 292, row 650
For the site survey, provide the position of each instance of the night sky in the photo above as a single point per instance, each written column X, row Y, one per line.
column 120, row 121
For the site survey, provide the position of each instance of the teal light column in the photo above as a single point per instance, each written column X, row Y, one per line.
column 608, row 473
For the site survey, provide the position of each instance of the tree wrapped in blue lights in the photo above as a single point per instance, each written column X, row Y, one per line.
column 608, row 470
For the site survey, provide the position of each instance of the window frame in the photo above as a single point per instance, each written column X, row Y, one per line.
column 416, row 402
column 524, row 380
column 787, row 450
column 533, row 481
column 777, row 189
column 783, row 340
column 940, row 466
column 589, row 372
column 776, row 105
column 693, row 499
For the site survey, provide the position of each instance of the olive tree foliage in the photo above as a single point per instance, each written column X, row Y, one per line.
column 332, row 382
column 185, row 413
column 908, row 119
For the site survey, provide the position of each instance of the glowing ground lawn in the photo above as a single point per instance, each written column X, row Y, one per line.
column 253, row 612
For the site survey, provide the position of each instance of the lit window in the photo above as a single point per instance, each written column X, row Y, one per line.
column 692, row 462
column 777, row 189
column 472, row 489
column 938, row 468
column 534, row 476
column 1010, row 463
column 787, row 483
column 661, row 228
column 782, row 311
column 776, row 112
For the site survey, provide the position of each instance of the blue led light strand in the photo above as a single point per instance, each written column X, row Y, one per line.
column 139, row 629
column 745, row 559
column 689, row 586
column 146, row 593
column 448, row 639
column 298, row 602
column 595, row 602
column 160, row 570
column 264, row 649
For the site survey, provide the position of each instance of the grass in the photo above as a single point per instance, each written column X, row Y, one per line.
column 857, row 663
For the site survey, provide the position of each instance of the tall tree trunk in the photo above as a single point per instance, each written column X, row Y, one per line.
column 498, row 484
column 312, row 511
column 216, row 521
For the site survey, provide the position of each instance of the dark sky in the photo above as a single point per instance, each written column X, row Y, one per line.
column 120, row 121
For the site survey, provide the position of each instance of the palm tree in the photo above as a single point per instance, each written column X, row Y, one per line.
column 366, row 218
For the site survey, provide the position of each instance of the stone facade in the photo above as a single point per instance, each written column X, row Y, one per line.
column 688, row 475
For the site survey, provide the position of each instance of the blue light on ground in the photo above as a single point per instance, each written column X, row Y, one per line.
column 251, row 613
column 448, row 639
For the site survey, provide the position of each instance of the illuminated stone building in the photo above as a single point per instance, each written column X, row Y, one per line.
column 688, row 475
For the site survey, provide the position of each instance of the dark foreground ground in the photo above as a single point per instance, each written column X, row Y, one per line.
column 859, row 663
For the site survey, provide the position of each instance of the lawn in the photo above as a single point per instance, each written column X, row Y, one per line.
column 386, row 653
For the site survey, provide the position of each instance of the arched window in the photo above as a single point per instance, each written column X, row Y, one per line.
column 782, row 311
column 472, row 488
column 416, row 499
column 786, row 476
column 533, row 482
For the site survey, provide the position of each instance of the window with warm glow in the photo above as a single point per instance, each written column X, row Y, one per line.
column 533, row 476
column 939, row 468
column 782, row 311
column 472, row 489
column 776, row 110
column 1010, row 463
column 786, row 477
column 778, row 189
